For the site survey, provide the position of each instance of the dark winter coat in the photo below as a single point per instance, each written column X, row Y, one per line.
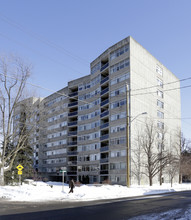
column 71, row 184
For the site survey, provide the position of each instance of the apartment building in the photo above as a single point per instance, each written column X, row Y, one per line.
column 84, row 129
column 27, row 122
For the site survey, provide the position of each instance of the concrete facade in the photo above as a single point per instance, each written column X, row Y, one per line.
column 84, row 126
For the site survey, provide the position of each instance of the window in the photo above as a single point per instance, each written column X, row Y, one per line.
column 118, row 153
column 160, row 146
column 160, row 125
column 119, row 52
column 117, row 166
column 159, row 70
column 95, row 68
column 118, row 91
column 118, row 128
column 118, row 103
column 118, row 116
column 160, row 94
column 160, row 83
column 117, row 141
column 118, row 66
column 160, row 114
column 160, row 135
column 160, row 104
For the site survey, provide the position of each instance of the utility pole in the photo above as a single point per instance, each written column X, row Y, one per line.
column 127, row 135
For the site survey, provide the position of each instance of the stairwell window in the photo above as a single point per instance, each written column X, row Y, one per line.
column 160, row 114
column 160, row 94
column 160, row 104
column 159, row 70
column 160, row 83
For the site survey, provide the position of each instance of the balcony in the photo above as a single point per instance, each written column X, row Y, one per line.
column 105, row 80
column 72, row 143
column 104, row 66
column 104, row 137
column 105, row 125
column 104, row 160
column 72, row 104
column 72, row 153
column 71, row 163
column 72, row 133
column 105, row 113
column 72, row 123
column 72, row 113
column 73, row 94
column 102, row 149
column 105, row 91
column 104, row 102
column 104, row 172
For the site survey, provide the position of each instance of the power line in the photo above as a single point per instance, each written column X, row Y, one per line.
column 49, row 43
column 181, row 87
column 37, row 52
column 38, row 37
column 150, row 87
column 59, row 93
column 52, row 44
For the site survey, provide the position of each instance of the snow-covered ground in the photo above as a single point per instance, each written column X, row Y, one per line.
column 50, row 191
column 54, row 191
column 177, row 214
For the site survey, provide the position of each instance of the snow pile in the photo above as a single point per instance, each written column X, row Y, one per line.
column 40, row 191
column 172, row 214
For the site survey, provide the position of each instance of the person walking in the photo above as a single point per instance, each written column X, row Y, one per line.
column 71, row 186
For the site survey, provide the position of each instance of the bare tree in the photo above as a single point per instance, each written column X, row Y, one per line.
column 13, row 77
column 172, row 167
column 155, row 160
column 137, row 159
column 182, row 147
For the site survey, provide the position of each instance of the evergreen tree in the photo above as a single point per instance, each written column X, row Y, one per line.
column 24, row 157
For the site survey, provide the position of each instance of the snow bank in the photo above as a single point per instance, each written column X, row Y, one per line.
column 53, row 191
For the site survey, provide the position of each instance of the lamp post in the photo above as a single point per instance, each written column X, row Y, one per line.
column 128, row 134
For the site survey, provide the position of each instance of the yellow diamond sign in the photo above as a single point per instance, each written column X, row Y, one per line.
column 20, row 167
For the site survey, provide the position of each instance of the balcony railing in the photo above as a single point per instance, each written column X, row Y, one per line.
column 105, row 113
column 104, row 91
column 106, row 148
column 71, row 133
column 72, row 104
column 104, row 66
column 72, row 113
column 105, row 125
column 105, row 80
column 104, row 172
column 106, row 136
column 70, row 163
column 72, row 143
column 73, row 94
column 104, row 102
column 104, row 160
column 72, row 123
column 70, row 153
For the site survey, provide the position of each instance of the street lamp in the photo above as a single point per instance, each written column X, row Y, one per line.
column 143, row 113
column 128, row 136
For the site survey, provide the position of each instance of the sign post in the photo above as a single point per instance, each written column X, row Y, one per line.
column 20, row 172
column 63, row 170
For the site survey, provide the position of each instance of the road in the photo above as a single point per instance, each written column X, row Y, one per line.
column 117, row 209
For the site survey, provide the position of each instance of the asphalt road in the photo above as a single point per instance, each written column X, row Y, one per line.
column 117, row 209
